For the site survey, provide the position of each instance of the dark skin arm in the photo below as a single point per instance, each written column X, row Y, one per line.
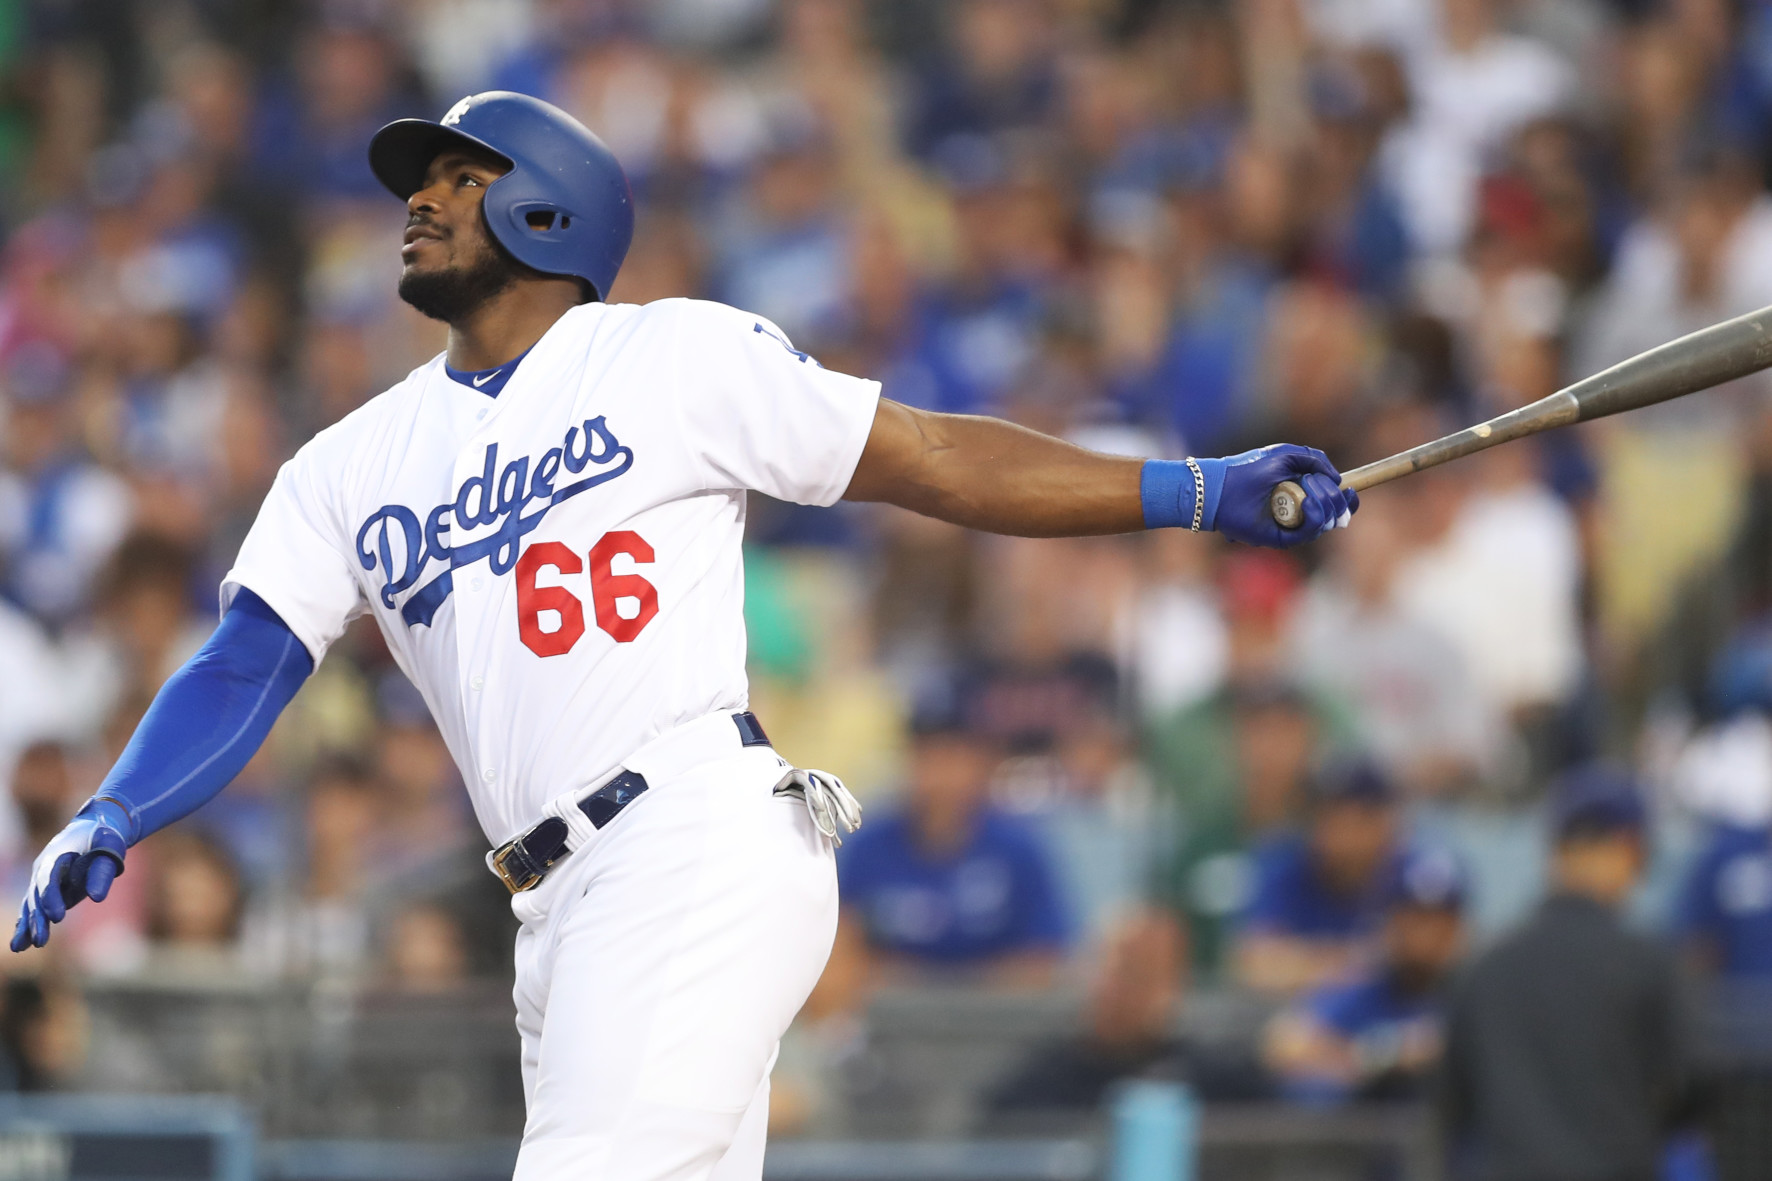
column 988, row 474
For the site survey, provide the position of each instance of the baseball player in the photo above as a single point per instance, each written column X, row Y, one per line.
column 545, row 522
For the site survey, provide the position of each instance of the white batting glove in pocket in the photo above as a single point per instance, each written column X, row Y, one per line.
column 831, row 804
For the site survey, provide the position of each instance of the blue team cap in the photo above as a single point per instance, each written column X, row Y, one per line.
column 1428, row 877
column 1351, row 780
column 1595, row 799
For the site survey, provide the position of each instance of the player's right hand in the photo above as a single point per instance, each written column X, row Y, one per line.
column 79, row 862
column 1244, row 484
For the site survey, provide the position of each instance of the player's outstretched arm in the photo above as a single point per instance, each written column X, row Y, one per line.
column 206, row 722
column 988, row 474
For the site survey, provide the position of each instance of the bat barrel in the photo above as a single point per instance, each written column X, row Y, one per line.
column 1709, row 357
column 1697, row 361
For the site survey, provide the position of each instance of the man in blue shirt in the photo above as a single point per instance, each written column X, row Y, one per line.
column 1726, row 913
column 1319, row 895
column 1377, row 1035
column 946, row 881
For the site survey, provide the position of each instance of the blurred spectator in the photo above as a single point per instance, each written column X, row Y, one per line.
column 60, row 513
column 1726, row 912
column 1378, row 1035
column 1724, row 776
column 1417, row 711
column 1498, row 558
column 976, row 336
column 322, row 925
column 1092, row 802
column 1317, row 366
column 1358, row 234
column 1134, row 1001
column 1722, row 772
column 311, row 128
column 427, row 950
column 1046, row 674
column 1259, row 591
column 1698, row 256
column 1472, row 86
column 146, row 628
column 1174, row 645
column 257, row 821
column 424, row 820
column 1233, row 774
column 1194, row 751
column 33, row 695
column 1701, row 256
column 947, row 882
column 812, row 667
column 665, row 261
column 784, row 253
column 43, row 795
column 1567, row 1050
column 195, row 905
column 1319, row 895
column 1228, row 243
column 997, row 78
column 42, row 1033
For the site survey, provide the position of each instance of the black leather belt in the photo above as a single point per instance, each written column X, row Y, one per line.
column 524, row 860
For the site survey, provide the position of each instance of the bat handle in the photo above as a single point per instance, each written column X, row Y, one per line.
column 1286, row 503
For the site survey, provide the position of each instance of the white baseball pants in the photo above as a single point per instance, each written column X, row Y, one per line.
column 658, row 966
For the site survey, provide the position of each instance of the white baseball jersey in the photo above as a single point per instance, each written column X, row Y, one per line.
column 558, row 569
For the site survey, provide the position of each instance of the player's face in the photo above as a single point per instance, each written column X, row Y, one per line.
column 443, row 223
column 450, row 264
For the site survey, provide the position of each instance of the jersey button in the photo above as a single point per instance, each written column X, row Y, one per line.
column 489, row 775
column 477, row 682
column 475, row 584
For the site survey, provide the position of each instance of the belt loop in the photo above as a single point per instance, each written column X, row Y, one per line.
column 750, row 730
column 604, row 804
column 565, row 807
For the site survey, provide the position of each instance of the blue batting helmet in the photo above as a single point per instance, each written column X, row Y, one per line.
column 564, row 208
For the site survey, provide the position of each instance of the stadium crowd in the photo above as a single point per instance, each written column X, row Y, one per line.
column 1135, row 766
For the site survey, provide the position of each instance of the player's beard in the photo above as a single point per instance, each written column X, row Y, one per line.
column 458, row 292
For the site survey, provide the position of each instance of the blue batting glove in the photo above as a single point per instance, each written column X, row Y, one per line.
column 81, row 861
column 1237, row 492
column 1242, row 511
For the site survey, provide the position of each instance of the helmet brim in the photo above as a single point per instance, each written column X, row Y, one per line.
column 401, row 152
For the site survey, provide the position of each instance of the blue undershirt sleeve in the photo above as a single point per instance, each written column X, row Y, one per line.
column 208, row 719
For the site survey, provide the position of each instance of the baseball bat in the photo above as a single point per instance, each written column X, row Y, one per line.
column 1698, row 361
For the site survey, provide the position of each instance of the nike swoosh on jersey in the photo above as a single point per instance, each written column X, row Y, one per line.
column 480, row 381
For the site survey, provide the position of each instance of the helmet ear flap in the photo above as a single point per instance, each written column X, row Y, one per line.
column 533, row 231
column 504, row 208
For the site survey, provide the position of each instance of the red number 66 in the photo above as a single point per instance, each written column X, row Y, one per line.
column 607, row 590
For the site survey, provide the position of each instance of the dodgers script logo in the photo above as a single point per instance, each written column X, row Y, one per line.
column 404, row 548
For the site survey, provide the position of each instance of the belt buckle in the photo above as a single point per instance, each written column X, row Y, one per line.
column 513, row 883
